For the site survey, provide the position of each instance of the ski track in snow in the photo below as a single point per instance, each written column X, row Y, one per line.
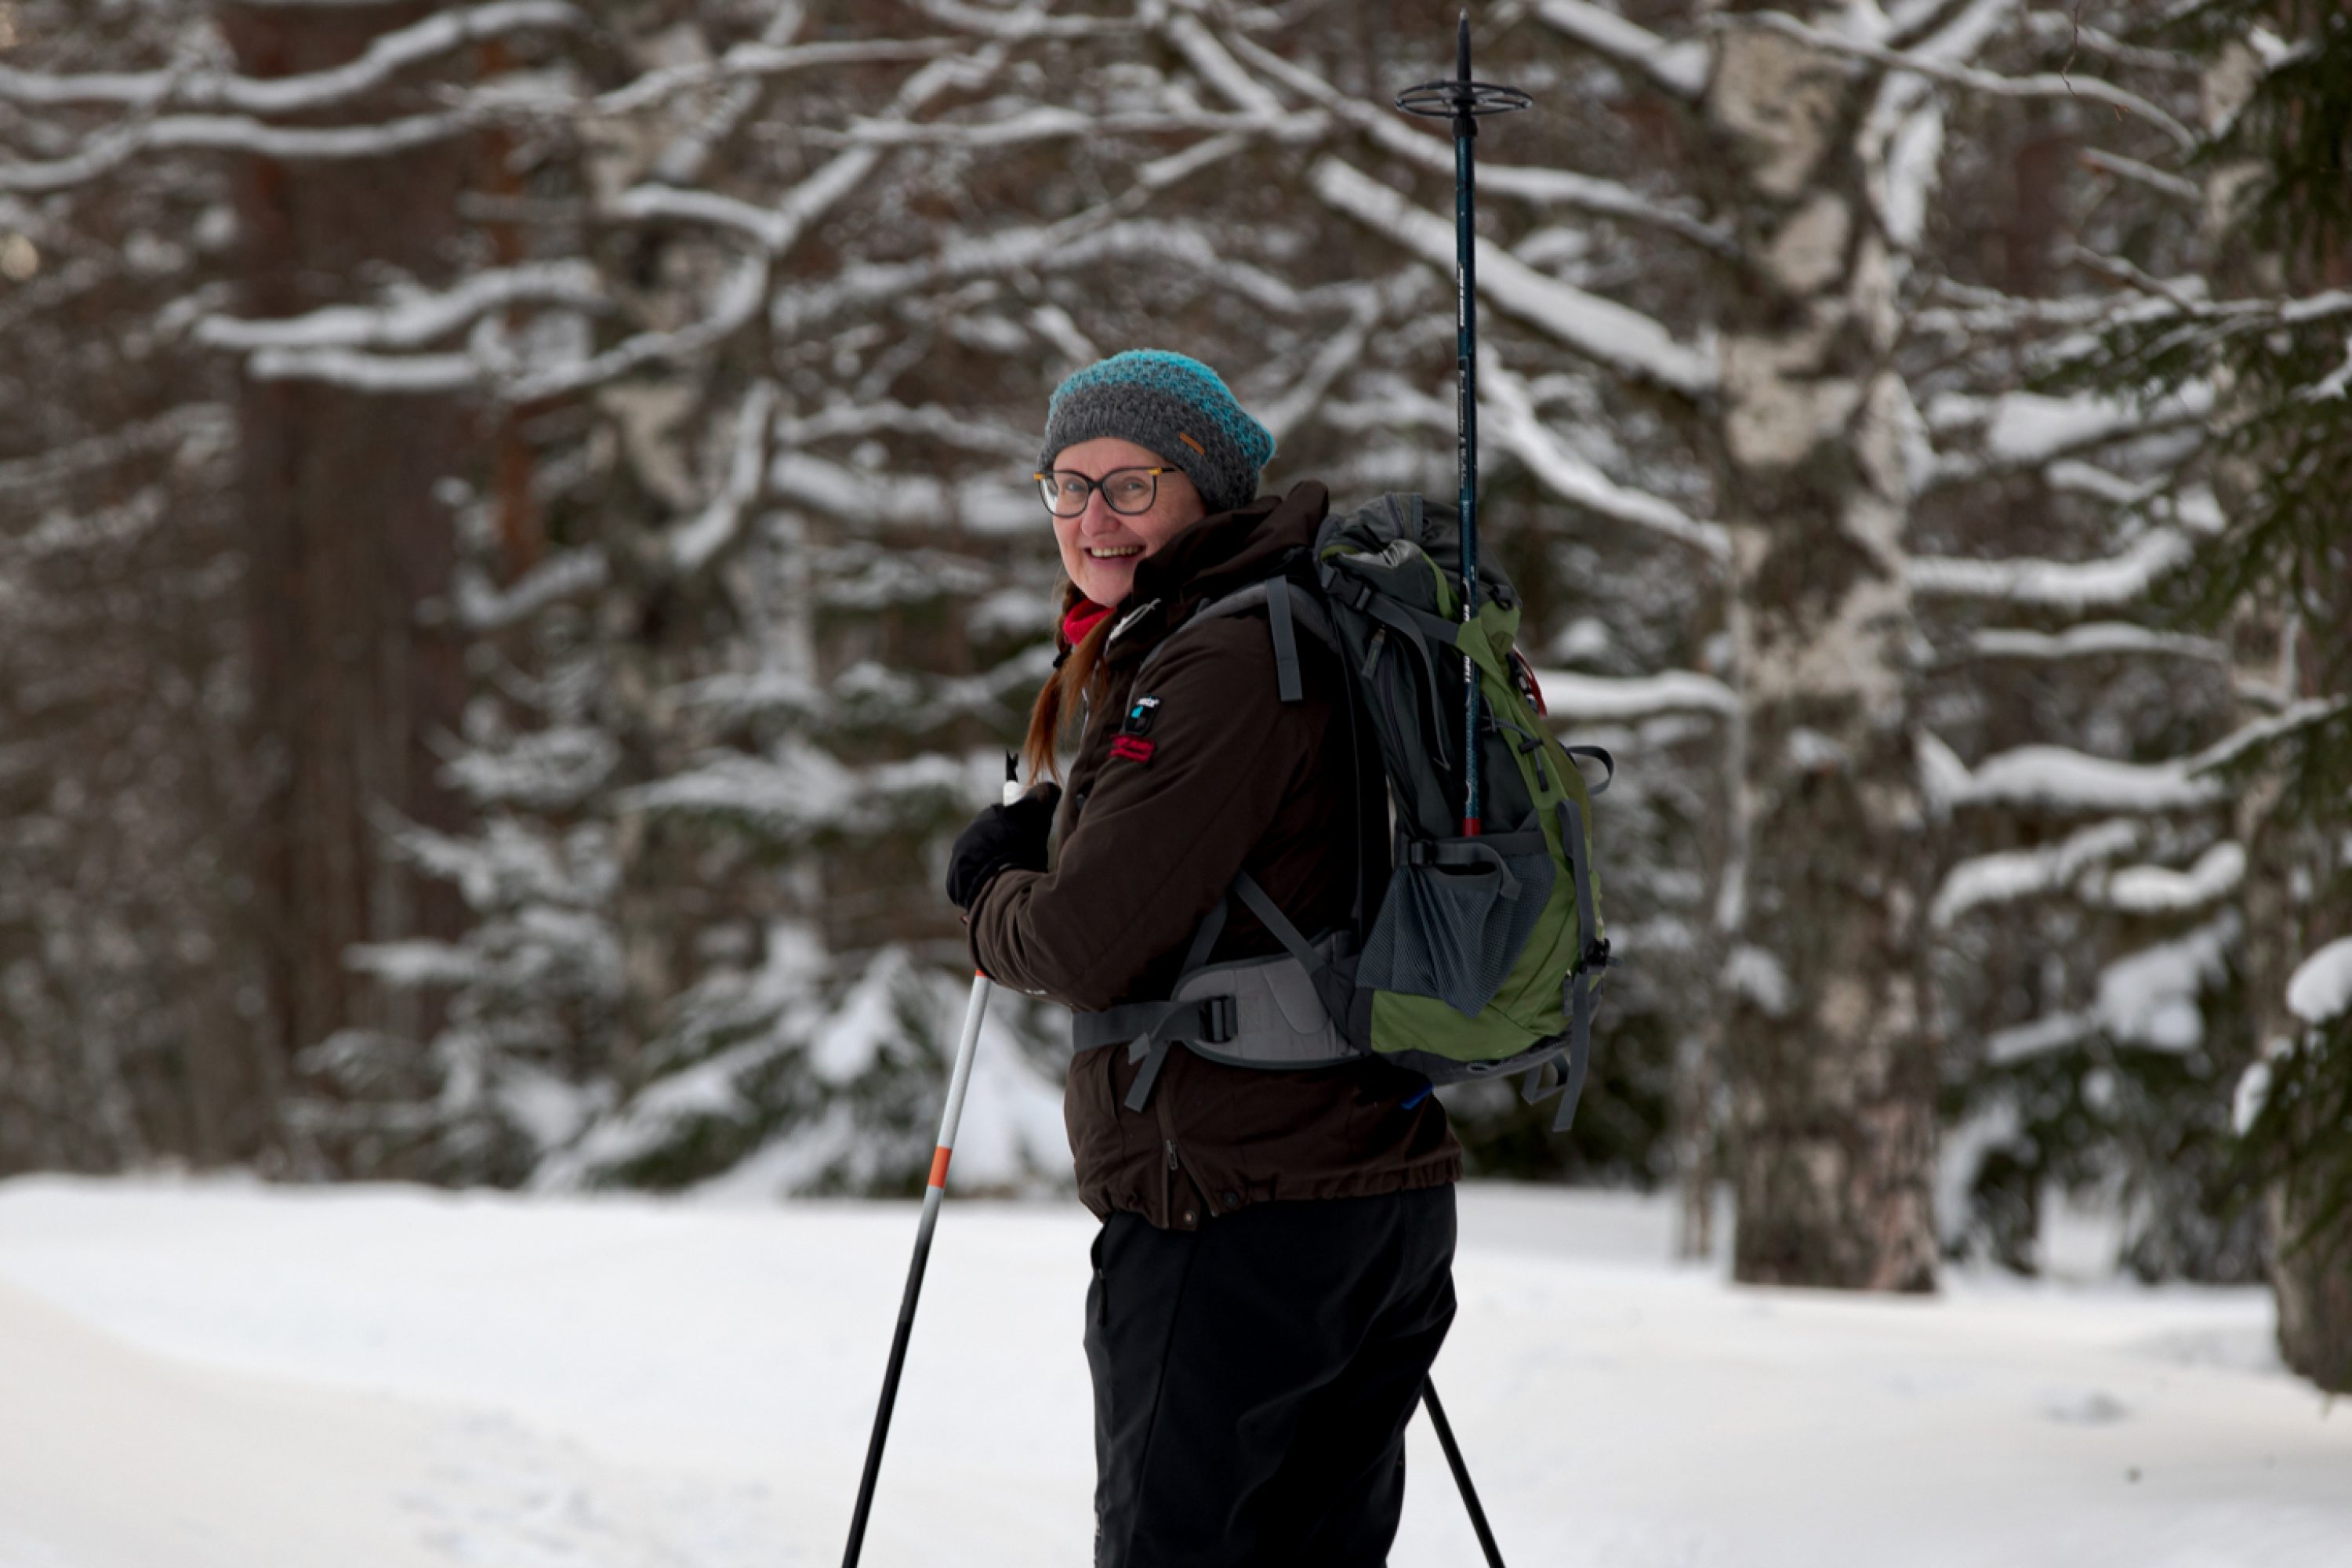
column 219, row 1374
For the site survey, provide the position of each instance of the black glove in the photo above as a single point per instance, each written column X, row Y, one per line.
column 1003, row 837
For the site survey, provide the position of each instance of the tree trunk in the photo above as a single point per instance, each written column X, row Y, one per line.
column 347, row 542
column 2312, row 1279
column 1827, row 1053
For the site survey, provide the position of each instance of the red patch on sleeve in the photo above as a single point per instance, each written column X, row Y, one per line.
column 1133, row 748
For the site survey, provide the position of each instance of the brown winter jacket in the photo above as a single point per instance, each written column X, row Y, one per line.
column 1234, row 779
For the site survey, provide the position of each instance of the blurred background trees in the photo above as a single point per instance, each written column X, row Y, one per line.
column 518, row 555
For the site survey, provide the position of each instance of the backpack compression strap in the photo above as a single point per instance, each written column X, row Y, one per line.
column 1582, row 986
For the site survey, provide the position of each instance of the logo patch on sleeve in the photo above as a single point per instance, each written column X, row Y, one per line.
column 1128, row 744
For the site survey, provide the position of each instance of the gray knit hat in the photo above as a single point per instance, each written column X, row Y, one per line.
column 1175, row 405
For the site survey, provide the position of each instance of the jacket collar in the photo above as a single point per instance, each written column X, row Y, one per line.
column 1216, row 554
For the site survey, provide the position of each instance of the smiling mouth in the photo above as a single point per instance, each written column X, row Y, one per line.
column 1113, row 555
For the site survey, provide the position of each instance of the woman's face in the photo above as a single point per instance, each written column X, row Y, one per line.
column 1101, row 547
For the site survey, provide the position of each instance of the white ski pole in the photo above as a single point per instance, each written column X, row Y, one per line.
column 958, row 1081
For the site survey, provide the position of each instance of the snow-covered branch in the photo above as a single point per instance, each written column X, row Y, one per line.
column 2058, row 584
column 2147, row 175
column 2010, row 875
column 2320, row 990
column 1574, row 697
column 1614, row 336
column 872, row 695
column 737, row 303
column 1336, row 353
column 331, row 351
column 2169, row 300
column 359, row 370
column 2056, row 778
column 766, row 227
column 2065, row 29
column 2098, row 638
column 1048, row 123
column 482, row 605
column 1509, row 418
column 1017, row 24
column 385, row 57
column 1208, row 56
column 1085, row 239
column 2161, row 889
column 2147, row 999
column 931, row 421
column 110, row 529
column 420, row 317
column 872, row 500
column 2298, row 716
column 1976, row 81
column 754, row 62
column 2020, row 430
column 692, row 546
column 1679, row 67
column 802, row 794
column 1976, row 310
column 233, row 133
column 1901, row 140
column 196, row 426
column 2079, row 867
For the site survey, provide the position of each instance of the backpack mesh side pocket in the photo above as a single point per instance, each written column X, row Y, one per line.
column 1457, row 914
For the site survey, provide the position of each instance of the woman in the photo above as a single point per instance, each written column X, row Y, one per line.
column 1273, row 1276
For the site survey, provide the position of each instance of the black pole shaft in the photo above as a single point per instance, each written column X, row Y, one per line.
column 890, row 1376
column 1461, row 1476
column 1466, row 323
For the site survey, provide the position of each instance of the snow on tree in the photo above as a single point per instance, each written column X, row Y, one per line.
column 2268, row 335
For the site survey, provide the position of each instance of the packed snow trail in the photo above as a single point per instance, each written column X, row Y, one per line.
column 223, row 1375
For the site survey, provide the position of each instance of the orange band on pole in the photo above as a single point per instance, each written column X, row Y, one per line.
column 940, row 1166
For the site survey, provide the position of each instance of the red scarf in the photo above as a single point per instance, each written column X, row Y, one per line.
column 1082, row 617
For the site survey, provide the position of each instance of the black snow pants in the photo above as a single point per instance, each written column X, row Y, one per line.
column 1253, row 1379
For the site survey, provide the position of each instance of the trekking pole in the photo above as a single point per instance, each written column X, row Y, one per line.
column 1462, row 101
column 958, row 1081
column 1460, row 1475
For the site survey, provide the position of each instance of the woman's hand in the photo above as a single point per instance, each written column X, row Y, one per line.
column 1002, row 838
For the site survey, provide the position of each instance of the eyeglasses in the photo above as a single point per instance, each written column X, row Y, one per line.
column 1128, row 491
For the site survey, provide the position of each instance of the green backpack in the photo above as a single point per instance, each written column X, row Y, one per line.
column 1486, row 956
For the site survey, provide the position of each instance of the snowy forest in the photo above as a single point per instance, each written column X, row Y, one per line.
column 518, row 555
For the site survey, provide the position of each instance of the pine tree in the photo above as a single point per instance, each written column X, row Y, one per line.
column 2274, row 579
column 2282, row 75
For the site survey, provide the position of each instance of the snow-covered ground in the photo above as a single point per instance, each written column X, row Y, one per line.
column 222, row 1375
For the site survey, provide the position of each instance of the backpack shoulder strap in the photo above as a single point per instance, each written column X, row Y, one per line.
column 1286, row 608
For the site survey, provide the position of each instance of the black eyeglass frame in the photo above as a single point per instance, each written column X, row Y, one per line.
column 1051, row 477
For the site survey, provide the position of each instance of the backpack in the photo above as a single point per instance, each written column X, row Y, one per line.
column 1486, row 956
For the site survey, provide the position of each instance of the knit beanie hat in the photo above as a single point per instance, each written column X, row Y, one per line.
column 1175, row 405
